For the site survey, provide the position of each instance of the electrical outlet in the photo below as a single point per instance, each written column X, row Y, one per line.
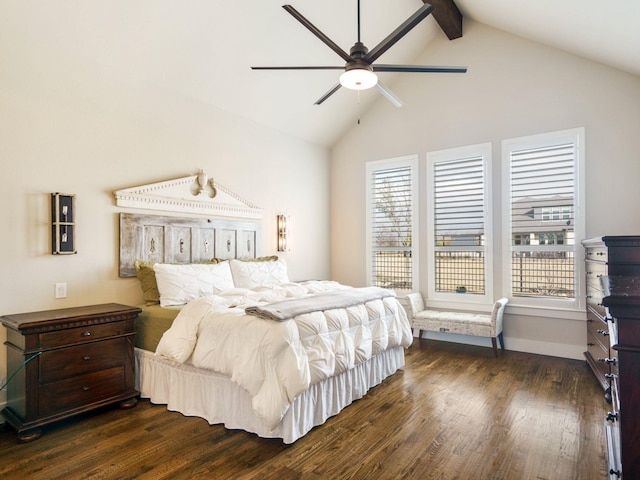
column 61, row 290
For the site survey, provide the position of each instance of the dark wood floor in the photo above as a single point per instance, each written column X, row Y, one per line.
column 454, row 412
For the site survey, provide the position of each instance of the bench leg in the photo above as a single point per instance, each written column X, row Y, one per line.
column 419, row 333
column 501, row 338
column 495, row 346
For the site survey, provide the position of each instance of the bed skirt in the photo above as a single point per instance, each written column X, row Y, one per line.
column 202, row 393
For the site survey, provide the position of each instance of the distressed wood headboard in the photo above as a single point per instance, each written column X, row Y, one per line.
column 169, row 239
column 175, row 239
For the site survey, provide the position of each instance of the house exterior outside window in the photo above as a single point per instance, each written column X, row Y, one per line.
column 392, row 226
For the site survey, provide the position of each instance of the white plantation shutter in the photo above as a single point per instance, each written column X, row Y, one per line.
column 459, row 225
column 542, row 180
column 391, row 209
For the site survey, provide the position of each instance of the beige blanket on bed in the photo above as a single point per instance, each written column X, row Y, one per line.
column 289, row 309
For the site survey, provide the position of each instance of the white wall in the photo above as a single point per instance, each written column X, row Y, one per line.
column 80, row 132
column 513, row 88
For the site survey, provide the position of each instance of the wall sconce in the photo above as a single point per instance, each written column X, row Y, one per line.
column 282, row 233
column 63, row 227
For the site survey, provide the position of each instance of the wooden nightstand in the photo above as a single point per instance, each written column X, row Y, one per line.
column 77, row 359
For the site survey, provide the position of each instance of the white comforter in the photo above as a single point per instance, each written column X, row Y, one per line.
column 277, row 360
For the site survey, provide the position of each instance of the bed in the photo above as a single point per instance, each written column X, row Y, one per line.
column 176, row 377
column 226, row 336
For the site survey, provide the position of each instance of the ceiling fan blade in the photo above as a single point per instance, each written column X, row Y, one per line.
column 417, row 68
column 384, row 90
column 313, row 29
column 398, row 33
column 333, row 90
column 310, row 67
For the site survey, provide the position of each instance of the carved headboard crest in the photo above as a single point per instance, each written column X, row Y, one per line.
column 195, row 194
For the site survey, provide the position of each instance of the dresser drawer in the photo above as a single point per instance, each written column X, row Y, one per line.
column 599, row 252
column 594, row 271
column 84, row 358
column 626, row 255
column 598, row 349
column 72, row 336
column 81, row 390
column 595, row 307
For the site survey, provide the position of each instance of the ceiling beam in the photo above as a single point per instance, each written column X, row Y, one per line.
column 448, row 17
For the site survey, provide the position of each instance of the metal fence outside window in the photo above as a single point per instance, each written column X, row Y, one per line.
column 548, row 274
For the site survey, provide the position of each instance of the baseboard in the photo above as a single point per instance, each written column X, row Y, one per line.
column 575, row 352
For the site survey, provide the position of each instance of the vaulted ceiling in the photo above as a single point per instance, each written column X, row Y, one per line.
column 201, row 50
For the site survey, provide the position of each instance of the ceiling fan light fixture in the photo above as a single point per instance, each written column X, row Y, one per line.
column 358, row 79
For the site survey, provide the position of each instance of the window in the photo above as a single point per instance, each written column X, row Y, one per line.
column 543, row 180
column 391, row 223
column 459, row 216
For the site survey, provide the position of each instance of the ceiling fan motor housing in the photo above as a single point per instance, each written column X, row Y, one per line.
column 357, row 53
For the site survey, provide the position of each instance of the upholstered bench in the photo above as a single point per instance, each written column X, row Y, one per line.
column 464, row 323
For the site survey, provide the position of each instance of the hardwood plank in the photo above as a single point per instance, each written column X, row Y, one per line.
column 453, row 412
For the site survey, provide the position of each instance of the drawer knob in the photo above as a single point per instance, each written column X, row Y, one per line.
column 86, row 334
column 603, row 332
column 611, row 361
column 86, row 389
column 86, row 357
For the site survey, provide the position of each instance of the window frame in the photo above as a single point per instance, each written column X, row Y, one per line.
column 576, row 136
column 485, row 151
column 406, row 161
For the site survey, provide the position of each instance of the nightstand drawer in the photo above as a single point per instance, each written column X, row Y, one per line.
column 81, row 390
column 70, row 361
column 73, row 336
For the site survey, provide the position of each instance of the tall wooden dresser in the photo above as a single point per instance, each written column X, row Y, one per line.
column 622, row 301
column 612, row 266
column 608, row 255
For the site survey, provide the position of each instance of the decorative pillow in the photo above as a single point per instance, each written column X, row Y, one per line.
column 257, row 274
column 178, row 284
column 147, row 278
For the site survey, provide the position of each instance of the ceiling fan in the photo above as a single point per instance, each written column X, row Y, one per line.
column 359, row 69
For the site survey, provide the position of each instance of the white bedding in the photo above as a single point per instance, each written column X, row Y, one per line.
column 275, row 361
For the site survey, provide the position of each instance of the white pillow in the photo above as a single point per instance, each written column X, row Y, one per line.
column 178, row 284
column 257, row 274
